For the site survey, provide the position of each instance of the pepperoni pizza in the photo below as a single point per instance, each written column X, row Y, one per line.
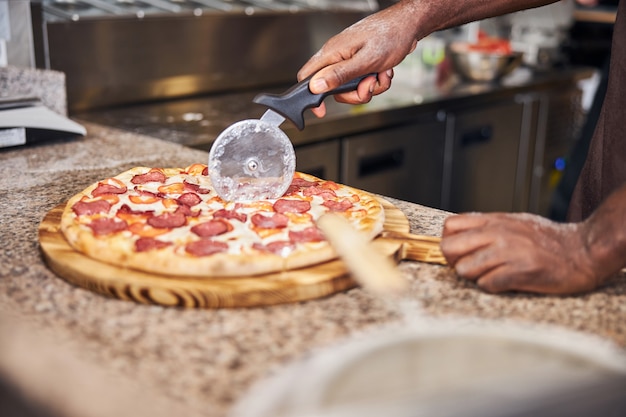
column 171, row 221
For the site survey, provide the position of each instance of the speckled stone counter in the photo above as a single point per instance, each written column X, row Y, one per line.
column 48, row 86
column 86, row 355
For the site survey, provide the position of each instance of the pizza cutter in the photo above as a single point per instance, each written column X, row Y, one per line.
column 254, row 159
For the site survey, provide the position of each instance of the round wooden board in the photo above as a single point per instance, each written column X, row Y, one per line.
column 169, row 290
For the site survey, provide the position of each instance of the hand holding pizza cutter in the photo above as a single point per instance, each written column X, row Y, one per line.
column 254, row 159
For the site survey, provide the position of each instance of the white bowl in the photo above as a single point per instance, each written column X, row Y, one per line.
column 440, row 368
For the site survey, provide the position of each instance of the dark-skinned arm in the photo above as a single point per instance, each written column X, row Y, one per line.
column 382, row 40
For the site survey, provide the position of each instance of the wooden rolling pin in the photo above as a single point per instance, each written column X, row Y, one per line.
column 371, row 269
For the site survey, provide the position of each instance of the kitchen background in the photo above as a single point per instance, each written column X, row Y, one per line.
column 183, row 70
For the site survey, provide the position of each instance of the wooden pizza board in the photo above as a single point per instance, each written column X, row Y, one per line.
column 251, row 291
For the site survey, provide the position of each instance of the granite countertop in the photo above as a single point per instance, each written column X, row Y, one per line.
column 87, row 355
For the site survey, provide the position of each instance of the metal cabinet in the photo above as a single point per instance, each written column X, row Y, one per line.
column 559, row 122
column 319, row 159
column 506, row 155
column 486, row 160
column 404, row 162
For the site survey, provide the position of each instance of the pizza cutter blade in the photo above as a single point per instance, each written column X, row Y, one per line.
column 254, row 159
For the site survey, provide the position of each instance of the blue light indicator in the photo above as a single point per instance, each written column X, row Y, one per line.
column 559, row 164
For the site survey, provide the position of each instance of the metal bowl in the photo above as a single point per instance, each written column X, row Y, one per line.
column 482, row 66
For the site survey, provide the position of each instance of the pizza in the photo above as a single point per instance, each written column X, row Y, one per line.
column 170, row 221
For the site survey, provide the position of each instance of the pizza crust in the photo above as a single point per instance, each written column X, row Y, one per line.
column 118, row 248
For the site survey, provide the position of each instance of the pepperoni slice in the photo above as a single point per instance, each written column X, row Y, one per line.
column 298, row 184
column 317, row 190
column 291, row 190
column 91, row 207
column 125, row 209
column 341, row 205
column 146, row 193
column 106, row 226
column 167, row 220
column 310, row 234
column 144, row 244
column 291, row 206
column 189, row 199
column 151, row 176
column 186, row 211
column 205, row 247
column 104, row 188
column 188, row 186
column 301, row 182
column 230, row 214
column 279, row 247
column 133, row 216
column 274, row 221
column 212, row 228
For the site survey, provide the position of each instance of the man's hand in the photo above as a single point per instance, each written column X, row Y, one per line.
column 519, row 251
column 375, row 44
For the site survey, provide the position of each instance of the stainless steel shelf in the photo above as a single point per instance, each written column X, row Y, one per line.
column 596, row 14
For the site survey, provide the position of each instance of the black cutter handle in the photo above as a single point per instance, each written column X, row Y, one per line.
column 293, row 102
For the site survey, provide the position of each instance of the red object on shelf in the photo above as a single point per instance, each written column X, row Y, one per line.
column 490, row 44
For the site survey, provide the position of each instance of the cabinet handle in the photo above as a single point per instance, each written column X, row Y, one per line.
column 478, row 135
column 382, row 162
